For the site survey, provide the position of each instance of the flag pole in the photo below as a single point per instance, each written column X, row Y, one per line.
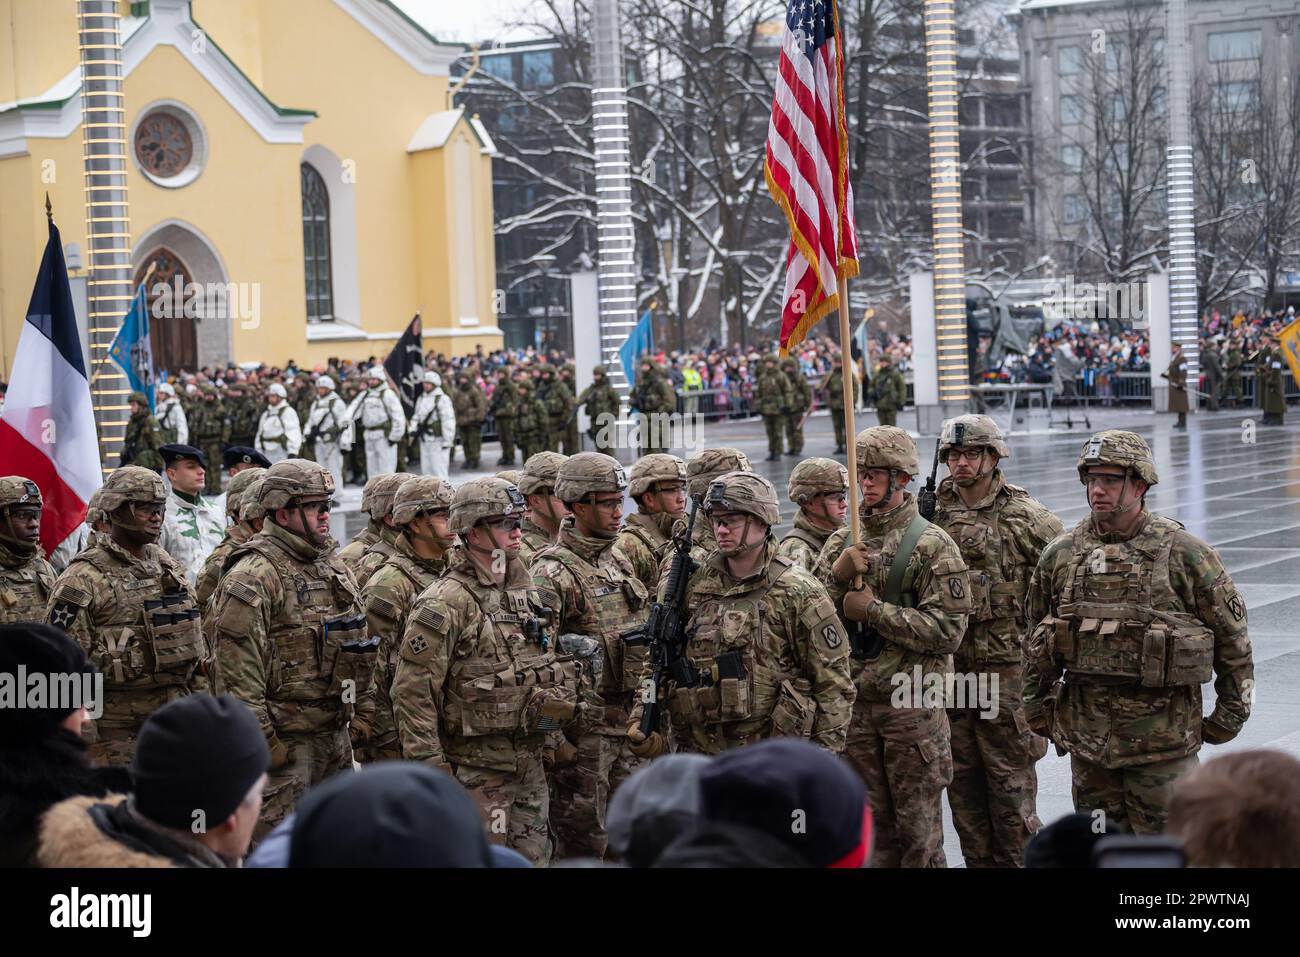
column 851, row 433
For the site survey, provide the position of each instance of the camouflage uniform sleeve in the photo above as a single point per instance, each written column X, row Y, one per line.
column 821, row 569
column 798, row 552
column 641, row 559
column 941, row 584
column 556, row 580
column 1037, row 528
column 1201, row 577
column 427, row 643
column 383, row 600
column 823, row 647
column 206, row 583
column 1040, row 669
column 72, row 605
column 241, row 613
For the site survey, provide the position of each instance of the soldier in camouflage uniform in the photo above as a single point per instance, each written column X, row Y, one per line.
column 478, row 682
column 701, row 470
column 1001, row 532
column 530, row 421
column 764, row 635
column 350, row 554
column 26, row 578
column 291, row 636
column 820, row 487
column 505, row 405
column 572, row 442
column 381, row 505
column 545, row 511
column 773, row 399
column 898, row 739
column 834, row 386
column 129, row 606
column 800, row 402
column 470, row 405
column 242, row 525
column 243, row 412
column 656, row 400
column 600, row 399
column 421, row 512
column 658, row 486
column 889, row 391
column 208, row 427
column 596, row 597
column 143, row 436
column 1130, row 615
column 559, row 402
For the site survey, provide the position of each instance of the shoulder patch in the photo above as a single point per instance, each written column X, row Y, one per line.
column 383, row 607
column 245, row 593
column 430, row 617
column 73, row 595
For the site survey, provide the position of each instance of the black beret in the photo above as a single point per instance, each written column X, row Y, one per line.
column 243, row 455
column 174, row 453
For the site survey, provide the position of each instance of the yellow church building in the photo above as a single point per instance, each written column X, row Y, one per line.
column 295, row 170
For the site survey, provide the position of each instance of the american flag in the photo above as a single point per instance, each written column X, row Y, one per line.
column 807, row 166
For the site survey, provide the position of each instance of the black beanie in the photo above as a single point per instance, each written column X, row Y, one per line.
column 794, row 791
column 392, row 814
column 31, row 649
column 198, row 753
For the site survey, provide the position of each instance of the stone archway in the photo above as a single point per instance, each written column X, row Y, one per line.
column 203, row 266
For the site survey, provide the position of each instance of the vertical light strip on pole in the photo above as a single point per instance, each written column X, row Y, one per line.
column 1183, row 311
column 945, row 200
column 108, row 226
column 616, row 240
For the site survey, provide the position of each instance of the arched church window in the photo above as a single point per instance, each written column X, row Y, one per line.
column 316, row 246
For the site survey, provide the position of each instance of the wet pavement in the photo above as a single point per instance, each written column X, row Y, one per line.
column 1230, row 481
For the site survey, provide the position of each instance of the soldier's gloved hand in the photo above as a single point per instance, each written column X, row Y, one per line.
column 279, row 752
column 1215, row 733
column 644, row 747
column 856, row 603
column 853, row 562
column 359, row 731
column 545, row 711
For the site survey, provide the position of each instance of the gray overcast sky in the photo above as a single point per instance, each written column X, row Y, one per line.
column 467, row 20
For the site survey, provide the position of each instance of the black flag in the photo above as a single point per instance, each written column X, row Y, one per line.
column 405, row 365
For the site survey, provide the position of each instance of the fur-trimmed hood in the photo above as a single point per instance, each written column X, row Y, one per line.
column 108, row 832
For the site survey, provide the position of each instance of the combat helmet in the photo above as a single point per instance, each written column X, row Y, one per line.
column 511, row 475
column 292, row 479
column 540, row 472
column 484, row 498
column 656, row 467
column 886, row 447
column 140, row 399
column 708, row 465
column 18, row 490
column 816, row 476
column 250, row 505
column 746, row 492
column 131, row 483
column 424, row 493
column 1113, row 447
column 368, row 494
column 589, row 472
column 238, row 487
column 977, row 430
column 381, row 501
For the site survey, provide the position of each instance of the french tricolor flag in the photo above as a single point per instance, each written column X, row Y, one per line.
column 47, row 431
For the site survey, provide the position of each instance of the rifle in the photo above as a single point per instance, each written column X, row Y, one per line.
column 665, row 631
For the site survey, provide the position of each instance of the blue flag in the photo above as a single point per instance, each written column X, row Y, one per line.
column 131, row 350
column 641, row 341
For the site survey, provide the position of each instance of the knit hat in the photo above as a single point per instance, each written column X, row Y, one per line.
column 29, row 650
column 655, row 806
column 392, row 814
column 197, row 753
column 796, row 792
